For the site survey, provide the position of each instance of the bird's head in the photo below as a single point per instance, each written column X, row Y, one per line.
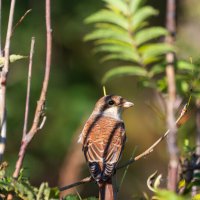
column 112, row 106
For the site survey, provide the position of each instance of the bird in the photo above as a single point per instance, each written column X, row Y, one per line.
column 103, row 138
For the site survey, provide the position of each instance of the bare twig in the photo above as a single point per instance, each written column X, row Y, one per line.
column 39, row 112
column 85, row 180
column 142, row 155
column 20, row 20
column 172, row 139
column 28, row 87
column 151, row 148
column 3, row 79
column 0, row 27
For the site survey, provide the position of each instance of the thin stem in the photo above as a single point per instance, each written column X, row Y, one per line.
column 8, row 36
column 172, row 139
column 0, row 27
column 20, row 20
column 28, row 86
column 41, row 102
column 3, row 79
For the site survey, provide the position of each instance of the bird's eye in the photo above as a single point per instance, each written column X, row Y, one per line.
column 111, row 102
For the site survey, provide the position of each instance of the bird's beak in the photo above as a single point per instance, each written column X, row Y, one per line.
column 127, row 104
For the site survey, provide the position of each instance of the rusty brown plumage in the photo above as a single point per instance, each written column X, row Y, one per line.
column 103, row 138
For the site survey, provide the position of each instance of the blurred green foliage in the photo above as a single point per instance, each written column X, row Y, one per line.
column 122, row 32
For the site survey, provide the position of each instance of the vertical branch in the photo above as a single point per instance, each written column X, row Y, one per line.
column 198, row 127
column 39, row 112
column 171, row 122
column 0, row 27
column 195, row 188
column 28, row 87
column 3, row 80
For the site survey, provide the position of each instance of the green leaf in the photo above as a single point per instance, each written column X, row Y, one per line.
column 135, row 5
column 141, row 15
column 153, row 50
column 156, row 69
column 109, row 32
column 148, row 34
column 162, row 84
column 125, row 50
column 120, row 56
column 124, row 71
column 108, row 16
column 196, row 197
column 184, row 65
column 114, row 48
column 185, row 86
column 71, row 197
column 152, row 59
column 117, row 5
column 12, row 59
column 112, row 41
column 166, row 195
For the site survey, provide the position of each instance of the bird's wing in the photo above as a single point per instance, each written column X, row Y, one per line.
column 103, row 141
column 114, row 151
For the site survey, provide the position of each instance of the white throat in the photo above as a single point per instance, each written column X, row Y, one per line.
column 113, row 112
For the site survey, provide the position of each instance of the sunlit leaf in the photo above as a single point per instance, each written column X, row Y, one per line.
column 152, row 59
column 149, row 33
column 181, row 183
column 124, row 71
column 113, row 41
column 184, row 65
column 196, row 197
column 124, row 50
column 108, row 16
column 120, row 56
column 107, row 33
column 168, row 195
column 135, row 5
column 143, row 14
column 151, row 50
column 12, row 59
column 118, row 5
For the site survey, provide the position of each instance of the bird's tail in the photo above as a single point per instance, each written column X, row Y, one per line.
column 106, row 191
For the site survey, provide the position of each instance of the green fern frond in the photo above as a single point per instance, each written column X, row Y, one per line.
column 154, row 50
column 121, row 34
column 120, row 56
column 135, row 5
column 109, row 17
column 117, row 6
column 108, row 34
column 148, row 34
column 141, row 15
column 124, row 71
